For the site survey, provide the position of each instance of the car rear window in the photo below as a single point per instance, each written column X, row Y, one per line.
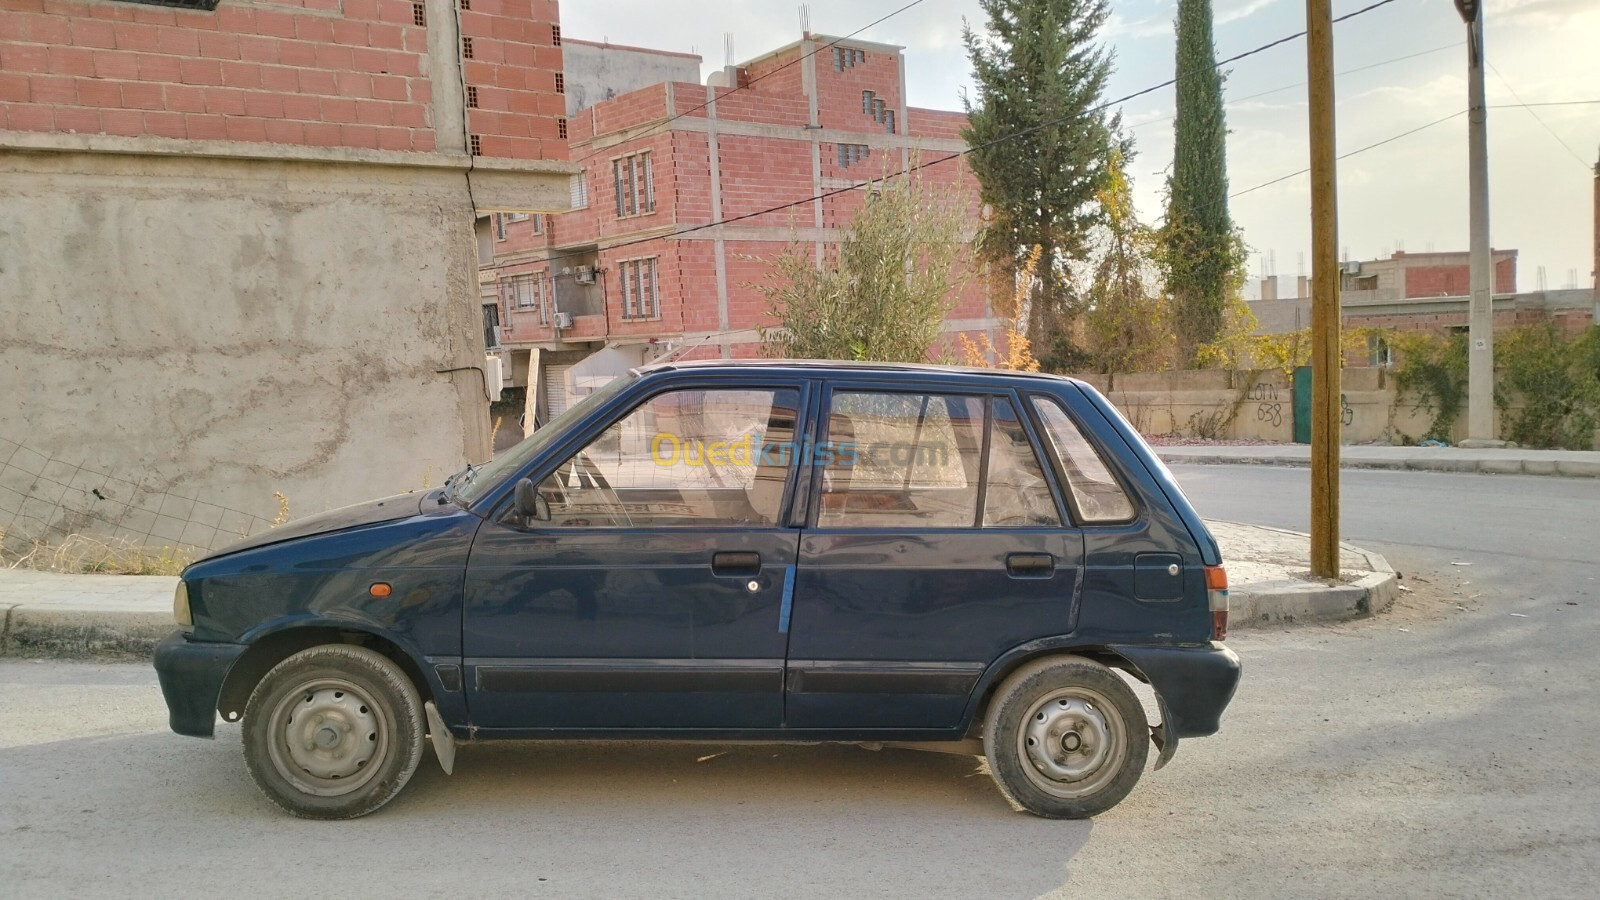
column 1096, row 493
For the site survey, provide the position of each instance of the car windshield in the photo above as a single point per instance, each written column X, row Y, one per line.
column 474, row 483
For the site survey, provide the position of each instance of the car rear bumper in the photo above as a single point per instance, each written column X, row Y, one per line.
column 191, row 675
column 1194, row 683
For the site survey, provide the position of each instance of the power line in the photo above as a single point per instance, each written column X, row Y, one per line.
column 739, row 87
column 1438, row 121
column 1537, row 118
column 1545, row 103
column 970, row 150
column 1371, row 146
column 1288, row 87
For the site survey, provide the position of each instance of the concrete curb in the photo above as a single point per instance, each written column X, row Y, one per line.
column 82, row 633
column 1566, row 468
column 1305, row 603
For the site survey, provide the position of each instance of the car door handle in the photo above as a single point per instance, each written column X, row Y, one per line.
column 1024, row 565
column 731, row 563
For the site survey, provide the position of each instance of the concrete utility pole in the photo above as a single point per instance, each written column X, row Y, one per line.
column 1480, row 318
column 1325, row 357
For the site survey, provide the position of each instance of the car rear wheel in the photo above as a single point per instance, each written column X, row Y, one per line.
column 333, row 732
column 1065, row 738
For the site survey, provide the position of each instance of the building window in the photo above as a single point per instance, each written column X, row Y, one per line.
column 579, row 188
column 846, row 56
column 850, row 154
column 491, row 325
column 536, row 219
column 634, row 181
column 530, row 292
column 641, row 294
column 499, row 226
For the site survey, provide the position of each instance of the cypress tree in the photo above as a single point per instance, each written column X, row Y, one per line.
column 1201, row 254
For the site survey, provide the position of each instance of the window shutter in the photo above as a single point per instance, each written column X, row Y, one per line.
column 649, row 186
column 616, row 177
column 647, row 287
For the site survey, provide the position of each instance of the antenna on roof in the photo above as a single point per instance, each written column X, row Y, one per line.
column 805, row 20
column 727, row 48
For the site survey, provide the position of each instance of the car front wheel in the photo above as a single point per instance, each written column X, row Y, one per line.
column 1066, row 738
column 333, row 732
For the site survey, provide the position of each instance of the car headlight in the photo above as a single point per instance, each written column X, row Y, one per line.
column 180, row 605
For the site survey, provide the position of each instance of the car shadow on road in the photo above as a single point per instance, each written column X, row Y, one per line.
column 585, row 819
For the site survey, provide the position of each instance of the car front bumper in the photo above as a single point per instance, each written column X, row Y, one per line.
column 191, row 675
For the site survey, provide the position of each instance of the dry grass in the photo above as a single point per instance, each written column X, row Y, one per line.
column 82, row 553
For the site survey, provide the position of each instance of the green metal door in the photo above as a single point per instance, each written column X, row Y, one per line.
column 1302, row 405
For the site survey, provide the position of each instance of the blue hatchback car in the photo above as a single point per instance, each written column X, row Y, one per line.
column 787, row 551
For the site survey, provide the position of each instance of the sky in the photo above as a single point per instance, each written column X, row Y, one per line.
column 1408, row 194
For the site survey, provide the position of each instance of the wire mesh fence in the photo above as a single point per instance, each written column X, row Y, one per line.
column 46, row 501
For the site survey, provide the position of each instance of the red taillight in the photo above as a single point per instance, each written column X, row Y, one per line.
column 1217, row 594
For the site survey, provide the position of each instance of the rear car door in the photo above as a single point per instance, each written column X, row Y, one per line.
column 649, row 591
column 934, row 542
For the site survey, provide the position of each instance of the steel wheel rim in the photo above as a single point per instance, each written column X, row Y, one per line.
column 327, row 737
column 1072, row 742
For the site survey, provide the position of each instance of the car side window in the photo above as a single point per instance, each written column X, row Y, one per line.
column 1098, row 496
column 1015, row 492
column 691, row 457
column 900, row 460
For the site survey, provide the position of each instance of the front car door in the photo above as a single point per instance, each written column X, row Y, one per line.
column 935, row 542
column 649, row 591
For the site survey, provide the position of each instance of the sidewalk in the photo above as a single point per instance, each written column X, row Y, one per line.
column 1570, row 463
column 46, row 614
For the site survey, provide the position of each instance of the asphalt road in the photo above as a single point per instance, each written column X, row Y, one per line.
column 1431, row 751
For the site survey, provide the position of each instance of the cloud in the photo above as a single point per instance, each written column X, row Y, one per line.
column 1242, row 11
column 1117, row 26
column 1540, row 12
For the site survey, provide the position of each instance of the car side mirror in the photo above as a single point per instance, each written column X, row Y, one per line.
column 526, row 500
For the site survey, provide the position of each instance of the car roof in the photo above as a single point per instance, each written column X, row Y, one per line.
column 815, row 367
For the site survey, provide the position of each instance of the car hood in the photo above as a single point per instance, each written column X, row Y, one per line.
column 372, row 512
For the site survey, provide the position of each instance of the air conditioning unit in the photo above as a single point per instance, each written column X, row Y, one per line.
column 583, row 274
column 563, row 320
column 1352, row 267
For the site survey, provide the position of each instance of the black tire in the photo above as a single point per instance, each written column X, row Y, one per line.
column 1066, row 738
column 333, row 732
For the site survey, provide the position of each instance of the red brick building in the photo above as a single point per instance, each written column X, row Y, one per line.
column 619, row 272
column 1424, row 291
column 240, row 240
column 320, row 73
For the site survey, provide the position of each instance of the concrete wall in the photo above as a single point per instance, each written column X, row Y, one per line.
column 1259, row 406
column 597, row 72
column 220, row 329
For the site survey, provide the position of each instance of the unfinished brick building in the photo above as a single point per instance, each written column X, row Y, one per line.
column 618, row 281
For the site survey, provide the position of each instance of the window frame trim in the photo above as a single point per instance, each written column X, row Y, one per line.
column 1067, row 523
column 572, row 444
column 1058, row 471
